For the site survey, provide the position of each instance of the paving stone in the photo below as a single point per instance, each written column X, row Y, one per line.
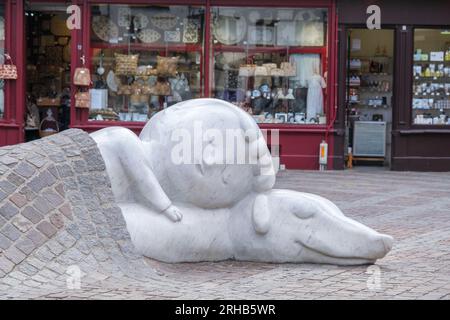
column 4, row 169
column 57, row 220
column 57, row 157
column 44, row 254
column 25, row 170
column 66, row 211
column 31, row 214
column 54, row 199
column 2, row 221
column 15, row 179
column 41, row 204
column 8, row 210
column 21, row 223
column 7, row 186
column 14, row 255
column 5, row 264
column 18, row 199
column 11, row 232
column 36, row 237
column 66, row 239
column 37, row 161
column 3, row 195
column 37, row 184
column 27, row 269
column 55, row 247
column 60, row 189
column 25, row 245
column 26, row 191
column 46, row 228
column 38, row 264
column 79, row 166
column 5, row 243
column 64, row 170
column 73, row 230
column 6, row 160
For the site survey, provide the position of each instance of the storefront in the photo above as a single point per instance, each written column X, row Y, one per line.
column 277, row 63
column 394, row 85
column 288, row 64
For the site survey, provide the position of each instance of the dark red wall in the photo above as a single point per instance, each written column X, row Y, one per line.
column 432, row 12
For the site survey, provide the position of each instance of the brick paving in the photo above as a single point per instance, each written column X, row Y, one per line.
column 69, row 224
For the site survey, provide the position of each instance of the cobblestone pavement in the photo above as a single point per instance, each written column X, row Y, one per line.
column 42, row 248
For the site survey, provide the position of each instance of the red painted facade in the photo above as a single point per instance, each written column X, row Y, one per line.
column 299, row 144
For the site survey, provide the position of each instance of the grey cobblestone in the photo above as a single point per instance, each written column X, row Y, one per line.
column 46, row 228
column 26, row 191
column 8, row 211
column 15, row 179
column 5, row 264
column 36, row 237
column 6, row 160
column 25, row 245
column 57, row 220
column 5, row 243
column 31, row 214
column 53, row 198
column 14, row 255
column 42, row 205
column 21, row 223
column 25, row 170
column 3, row 195
column 37, row 160
column 18, row 199
column 11, row 232
column 7, row 186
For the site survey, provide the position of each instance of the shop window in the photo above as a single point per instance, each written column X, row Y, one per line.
column 271, row 62
column 2, row 51
column 47, row 77
column 431, row 72
column 144, row 58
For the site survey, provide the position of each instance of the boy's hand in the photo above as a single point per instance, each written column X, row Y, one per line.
column 173, row 213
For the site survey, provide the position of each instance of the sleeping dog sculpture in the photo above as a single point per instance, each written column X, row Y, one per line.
column 197, row 185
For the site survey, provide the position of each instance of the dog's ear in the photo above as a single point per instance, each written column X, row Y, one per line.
column 261, row 214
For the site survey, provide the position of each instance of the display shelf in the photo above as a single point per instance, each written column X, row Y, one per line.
column 368, row 90
column 423, row 78
column 254, row 49
column 428, row 62
column 431, row 95
column 363, row 74
column 431, row 108
column 148, row 46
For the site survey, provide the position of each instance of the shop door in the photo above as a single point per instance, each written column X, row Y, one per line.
column 369, row 96
column 47, row 87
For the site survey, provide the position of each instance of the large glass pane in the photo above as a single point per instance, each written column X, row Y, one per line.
column 144, row 58
column 271, row 62
column 431, row 72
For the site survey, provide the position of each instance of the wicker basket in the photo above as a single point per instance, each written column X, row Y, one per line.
column 42, row 133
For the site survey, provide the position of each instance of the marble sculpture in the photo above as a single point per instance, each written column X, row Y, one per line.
column 182, row 205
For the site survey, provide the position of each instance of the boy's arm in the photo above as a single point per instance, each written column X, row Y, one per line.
column 140, row 174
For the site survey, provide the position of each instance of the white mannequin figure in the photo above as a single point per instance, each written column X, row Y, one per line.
column 314, row 99
column 230, row 210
